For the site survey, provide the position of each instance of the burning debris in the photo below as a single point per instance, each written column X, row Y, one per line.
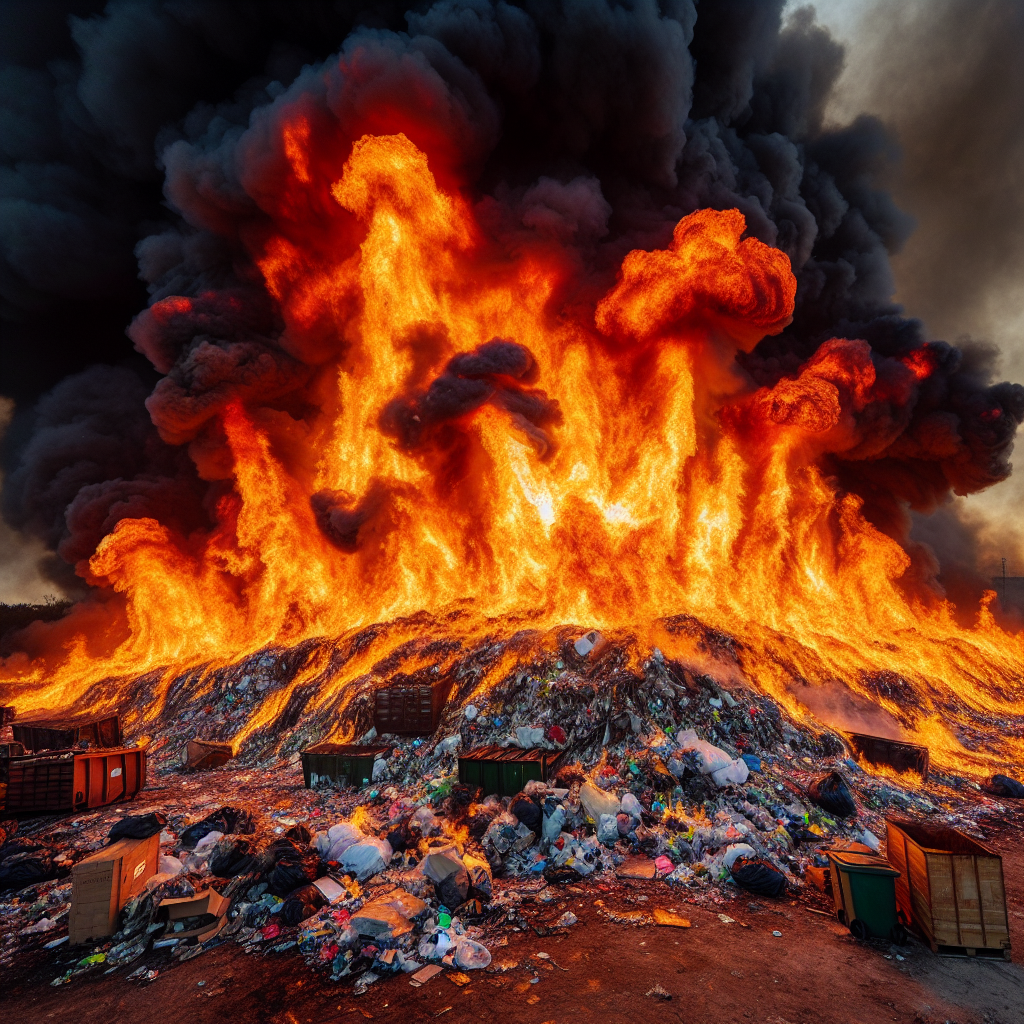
column 386, row 857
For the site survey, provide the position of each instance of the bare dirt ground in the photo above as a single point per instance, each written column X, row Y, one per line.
column 600, row 970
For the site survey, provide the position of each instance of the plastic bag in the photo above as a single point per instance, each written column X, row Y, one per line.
column 227, row 821
column 711, row 758
column 367, row 858
column 597, row 802
column 137, row 826
column 332, row 844
column 26, row 867
column 1004, row 786
column 757, row 875
column 735, row 772
column 480, row 880
column 302, row 903
column 231, row 857
column 608, row 829
column 526, row 812
column 470, row 955
column 737, row 850
column 554, row 820
column 832, row 794
column 631, row 806
column 286, row 867
column 527, row 738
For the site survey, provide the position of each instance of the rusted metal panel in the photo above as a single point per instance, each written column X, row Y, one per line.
column 409, row 708
column 904, row 757
column 57, row 735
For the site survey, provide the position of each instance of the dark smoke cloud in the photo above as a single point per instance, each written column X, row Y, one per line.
column 591, row 125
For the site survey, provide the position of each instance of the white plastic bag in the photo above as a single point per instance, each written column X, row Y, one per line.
column 597, row 802
column 367, row 858
column 332, row 844
column 737, row 850
column 735, row 772
column 631, row 806
column 711, row 758
column 470, row 955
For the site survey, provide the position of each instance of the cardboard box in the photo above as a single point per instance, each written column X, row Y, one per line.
column 104, row 882
column 208, row 902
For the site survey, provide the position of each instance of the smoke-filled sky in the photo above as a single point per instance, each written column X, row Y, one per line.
column 123, row 182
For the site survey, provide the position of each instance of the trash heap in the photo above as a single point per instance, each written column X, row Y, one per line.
column 664, row 775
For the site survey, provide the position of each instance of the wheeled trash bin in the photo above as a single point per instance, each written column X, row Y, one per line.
column 864, row 890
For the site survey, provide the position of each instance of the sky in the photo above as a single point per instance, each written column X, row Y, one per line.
column 962, row 270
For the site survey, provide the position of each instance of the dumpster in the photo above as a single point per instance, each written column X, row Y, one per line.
column 950, row 888
column 505, row 770
column 864, row 890
column 70, row 780
column 340, row 764
column 98, row 732
column 903, row 757
column 410, row 708
column 202, row 755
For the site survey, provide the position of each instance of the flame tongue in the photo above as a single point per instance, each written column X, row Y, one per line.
column 479, row 443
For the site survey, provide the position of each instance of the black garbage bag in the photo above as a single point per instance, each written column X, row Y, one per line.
column 563, row 875
column 138, row 826
column 231, row 856
column 402, row 837
column 302, row 903
column 832, row 795
column 287, row 868
column 1004, row 786
column 23, row 863
column 299, row 834
column 453, row 889
column 757, row 875
column 527, row 812
column 229, row 820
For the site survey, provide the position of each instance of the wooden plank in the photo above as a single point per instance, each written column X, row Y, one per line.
column 920, row 888
column 965, row 883
column 993, row 900
column 945, row 913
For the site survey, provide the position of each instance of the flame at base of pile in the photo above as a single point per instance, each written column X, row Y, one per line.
column 280, row 699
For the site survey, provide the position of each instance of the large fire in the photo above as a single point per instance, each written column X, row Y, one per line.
column 497, row 441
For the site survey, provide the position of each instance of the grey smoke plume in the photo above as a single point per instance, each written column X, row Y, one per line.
column 593, row 125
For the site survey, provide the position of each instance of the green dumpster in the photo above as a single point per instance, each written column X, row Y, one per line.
column 504, row 770
column 864, row 889
column 340, row 764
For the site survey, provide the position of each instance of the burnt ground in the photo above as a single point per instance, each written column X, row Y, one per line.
column 600, row 970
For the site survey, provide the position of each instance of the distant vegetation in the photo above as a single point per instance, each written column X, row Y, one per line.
column 17, row 616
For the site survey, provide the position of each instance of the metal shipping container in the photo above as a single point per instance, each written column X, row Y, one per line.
column 340, row 764
column 410, row 708
column 505, row 770
column 950, row 888
column 70, row 780
column 99, row 732
column 904, row 757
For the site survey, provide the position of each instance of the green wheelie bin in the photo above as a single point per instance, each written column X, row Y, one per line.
column 864, row 889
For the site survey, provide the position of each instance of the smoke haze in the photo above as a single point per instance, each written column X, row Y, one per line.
column 144, row 140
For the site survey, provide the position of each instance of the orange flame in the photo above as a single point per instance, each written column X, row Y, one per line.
column 667, row 488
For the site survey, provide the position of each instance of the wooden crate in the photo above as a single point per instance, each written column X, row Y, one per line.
column 410, row 708
column 104, row 882
column 950, row 888
column 904, row 757
column 99, row 732
column 74, row 779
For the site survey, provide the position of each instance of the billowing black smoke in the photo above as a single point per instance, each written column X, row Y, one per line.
column 592, row 123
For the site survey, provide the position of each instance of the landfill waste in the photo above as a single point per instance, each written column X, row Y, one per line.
column 137, row 826
column 666, row 785
column 1004, row 786
column 832, row 794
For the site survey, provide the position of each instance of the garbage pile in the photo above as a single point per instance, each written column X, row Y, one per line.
column 668, row 776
